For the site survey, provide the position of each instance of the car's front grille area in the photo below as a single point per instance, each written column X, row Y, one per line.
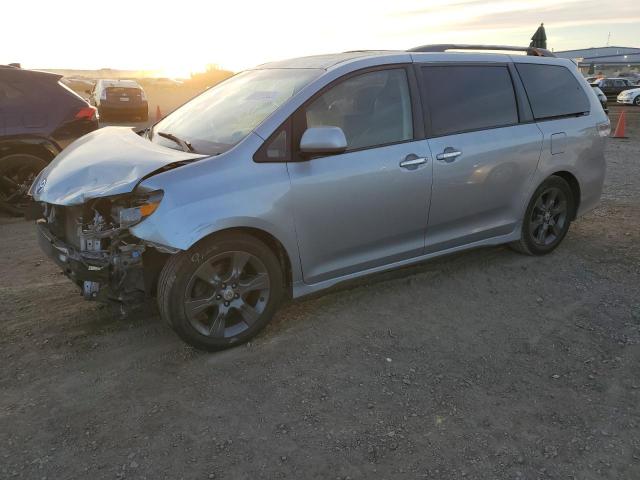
column 64, row 223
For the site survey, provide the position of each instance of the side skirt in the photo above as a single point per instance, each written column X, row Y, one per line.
column 301, row 289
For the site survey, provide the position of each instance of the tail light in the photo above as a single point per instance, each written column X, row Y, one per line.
column 143, row 96
column 604, row 128
column 86, row 113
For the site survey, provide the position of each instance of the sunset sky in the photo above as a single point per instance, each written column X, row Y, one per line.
column 178, row 37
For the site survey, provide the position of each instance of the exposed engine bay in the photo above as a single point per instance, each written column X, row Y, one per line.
column 94, row 246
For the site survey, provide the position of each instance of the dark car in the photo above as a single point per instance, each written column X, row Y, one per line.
column 39, row 116
column 633, row 77
column 120, row 98
column 611, row 87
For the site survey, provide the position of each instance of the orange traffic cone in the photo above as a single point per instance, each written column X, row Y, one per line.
column 619, row 133
column 158, row 113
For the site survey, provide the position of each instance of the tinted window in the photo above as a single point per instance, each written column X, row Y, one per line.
column 466, row 97
column 553, row 91
column 372, row 109
column 277, row 148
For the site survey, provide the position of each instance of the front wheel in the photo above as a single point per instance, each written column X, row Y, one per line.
column 221, row 292
column 636, row 101
column 547, row 219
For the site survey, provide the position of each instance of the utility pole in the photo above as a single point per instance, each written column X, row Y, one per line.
column 608, row 38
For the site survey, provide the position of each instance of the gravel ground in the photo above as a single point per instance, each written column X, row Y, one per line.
column 486, row 364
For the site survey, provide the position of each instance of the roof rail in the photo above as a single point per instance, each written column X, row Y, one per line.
column 533, row 51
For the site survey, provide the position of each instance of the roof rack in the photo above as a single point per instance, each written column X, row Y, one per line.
column 533, row 51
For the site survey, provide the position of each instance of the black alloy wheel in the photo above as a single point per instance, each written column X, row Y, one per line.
column 226, row 294
column 222, row 291
column 547, row 218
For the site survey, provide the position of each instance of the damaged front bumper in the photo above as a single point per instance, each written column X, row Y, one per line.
column 101, row 257
column 101, row 275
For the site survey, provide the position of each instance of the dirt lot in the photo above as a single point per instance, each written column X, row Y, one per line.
column 484, row 365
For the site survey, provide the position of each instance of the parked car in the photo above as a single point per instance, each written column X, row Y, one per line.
column 39, row 116
column 633, row 77
column 123, row 98
column 613, row 86
column 630, row 97
column 602, row 97
column 292, row 177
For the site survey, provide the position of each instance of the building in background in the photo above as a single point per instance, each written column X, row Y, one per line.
column 607, row 61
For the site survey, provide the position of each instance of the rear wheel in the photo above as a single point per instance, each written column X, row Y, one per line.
column 547, row 219
column 17, row 173
column 221, row 292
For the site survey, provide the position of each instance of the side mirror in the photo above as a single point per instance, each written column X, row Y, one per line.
column 323, row 141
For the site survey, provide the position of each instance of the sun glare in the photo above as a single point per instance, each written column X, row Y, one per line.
column 176, row 39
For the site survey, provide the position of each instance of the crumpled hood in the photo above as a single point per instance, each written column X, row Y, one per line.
column 108, row 161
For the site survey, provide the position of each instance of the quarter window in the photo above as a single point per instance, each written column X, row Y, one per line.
column 372, row 109
column 553, row 90
column 277, row 149
column 468, row 97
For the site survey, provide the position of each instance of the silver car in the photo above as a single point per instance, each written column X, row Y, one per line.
column 297, row 175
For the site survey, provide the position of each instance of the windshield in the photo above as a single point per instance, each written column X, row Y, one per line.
column 219, row 118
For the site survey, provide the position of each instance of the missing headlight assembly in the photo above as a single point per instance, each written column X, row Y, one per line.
column 93, row 245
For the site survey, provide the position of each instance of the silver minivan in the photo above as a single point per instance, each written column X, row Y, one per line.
column 297, row 175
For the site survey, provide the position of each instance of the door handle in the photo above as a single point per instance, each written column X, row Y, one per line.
column 449, row 154
column 412, row 162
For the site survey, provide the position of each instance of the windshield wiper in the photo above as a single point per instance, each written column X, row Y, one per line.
column 186, row 146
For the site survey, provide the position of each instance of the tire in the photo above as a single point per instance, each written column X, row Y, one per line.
column 17, row 172
column 636, row 101
column 213, row 304
column 547, row 218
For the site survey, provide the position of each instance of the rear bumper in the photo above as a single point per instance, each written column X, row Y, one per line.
column 123, row 108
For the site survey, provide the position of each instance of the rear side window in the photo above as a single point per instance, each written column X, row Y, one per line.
column 468, row 97
column 553, row 91
column 71, row 92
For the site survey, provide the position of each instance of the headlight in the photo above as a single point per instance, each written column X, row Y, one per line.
column 138, row 208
